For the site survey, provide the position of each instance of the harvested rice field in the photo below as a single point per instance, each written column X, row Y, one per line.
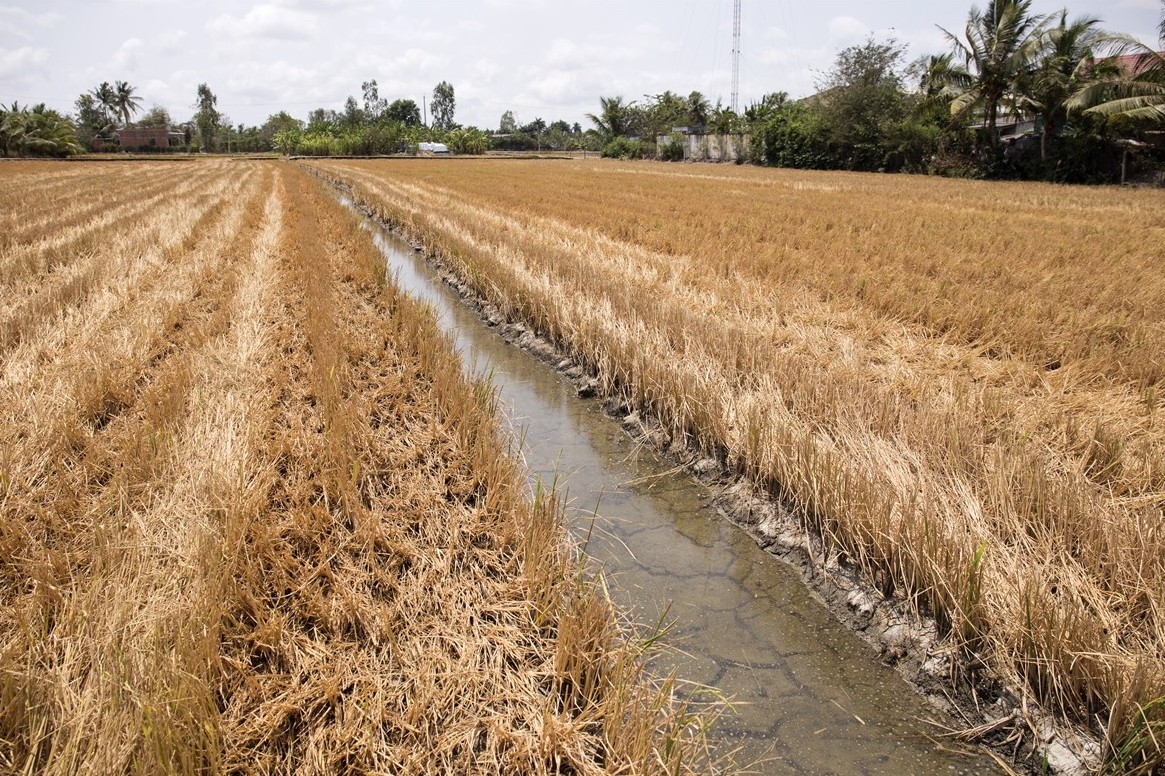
column 959, row 386
column 254, row 518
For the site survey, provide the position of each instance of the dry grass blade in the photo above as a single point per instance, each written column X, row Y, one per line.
column 984, row 432
column 255, row 519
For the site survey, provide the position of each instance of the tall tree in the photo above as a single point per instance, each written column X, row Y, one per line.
column 156, row 116
column 126, row 102
column 207, row 118
column 374, row 104
column 615, row 118
column 106, row 97
column 404, row 111
column 1066, row 63
column 353, row 116
column 93, row 121
column 508, row 124
column 698, row 109
column 997, row 49
column 862, row 102
column 321, row 119
column 443, row 106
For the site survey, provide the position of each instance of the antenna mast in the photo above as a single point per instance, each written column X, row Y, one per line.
column 736, row 57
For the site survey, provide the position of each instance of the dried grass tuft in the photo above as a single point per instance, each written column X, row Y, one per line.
column 255, row 520
column 956, row 383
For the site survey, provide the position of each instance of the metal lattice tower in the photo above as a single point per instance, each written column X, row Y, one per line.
column 736, row 57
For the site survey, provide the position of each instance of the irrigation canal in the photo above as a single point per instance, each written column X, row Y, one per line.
column 809, row 696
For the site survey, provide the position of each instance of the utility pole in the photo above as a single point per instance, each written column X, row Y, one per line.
column 736, row 57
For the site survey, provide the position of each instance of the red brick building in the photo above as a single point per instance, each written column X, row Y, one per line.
column 148, row 138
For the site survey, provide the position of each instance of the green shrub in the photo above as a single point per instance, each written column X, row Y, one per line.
column 673, row 149
column 625, row 148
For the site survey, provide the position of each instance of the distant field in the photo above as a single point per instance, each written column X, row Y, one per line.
column 253, row 519
column 962, row 384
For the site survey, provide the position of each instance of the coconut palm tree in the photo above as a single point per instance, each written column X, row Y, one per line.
column 36, row 131
column 1067, row 63
column 125, row 102
column 615, row 119
column 997, row 49
column 699, row 109
column 1136, row 92
column 106, row 97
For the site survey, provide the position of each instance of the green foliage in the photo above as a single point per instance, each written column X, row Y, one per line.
column 724, row 121
column 353, row 115
column 616, row 118
column 673, row 149
column 366, row 140
column 910, row 146
column 374, row 104
column 404, row 112
column 467, row 141
column 93, row 121
column 626, row 148
column 207, row 118
column 443, row 106
column 862, row 105
column 760, row 112
column 793, row 136
column 280, row 131
column 36, row 131
column 995, row 53
column 156, row 116
column 125, row 102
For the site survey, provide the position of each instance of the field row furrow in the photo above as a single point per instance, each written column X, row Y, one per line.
column 77, row 199
column 112, row 266
column 154, row 485
column 62, row 391
column 1023, row 506
column 920, row 251
column 256, row 519
column 25, row 264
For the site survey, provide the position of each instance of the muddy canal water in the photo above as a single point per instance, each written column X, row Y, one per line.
column 809, row 697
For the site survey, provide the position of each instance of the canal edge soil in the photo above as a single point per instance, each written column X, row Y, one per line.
column 1020, row 735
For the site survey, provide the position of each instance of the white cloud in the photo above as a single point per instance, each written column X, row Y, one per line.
column 846, row 30
column 16, row 21
column 127, row 55
column 22, row 16
column 344, row 5
column 19, row 65
column 172, row 42
column 266, row 21
column 486, row 69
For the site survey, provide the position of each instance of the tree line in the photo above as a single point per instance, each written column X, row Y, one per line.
column 1088, row 95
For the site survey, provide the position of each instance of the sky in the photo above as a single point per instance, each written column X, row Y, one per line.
column 539, row 58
